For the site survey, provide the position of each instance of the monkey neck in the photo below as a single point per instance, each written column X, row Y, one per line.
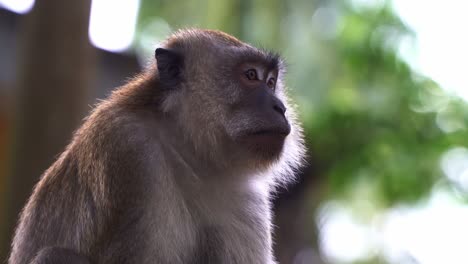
column 197, row 167
column 177, row 143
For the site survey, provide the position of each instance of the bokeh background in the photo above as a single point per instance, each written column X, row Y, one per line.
column 381, row 88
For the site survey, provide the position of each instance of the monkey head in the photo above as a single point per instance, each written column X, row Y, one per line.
column 229, row 98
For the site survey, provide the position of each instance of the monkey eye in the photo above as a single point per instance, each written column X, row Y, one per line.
column 251, row 74
column 271, row 83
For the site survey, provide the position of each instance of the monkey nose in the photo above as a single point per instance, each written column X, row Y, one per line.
column 279, row 107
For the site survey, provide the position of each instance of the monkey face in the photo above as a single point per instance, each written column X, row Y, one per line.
column 228, row 96
column 257, row 120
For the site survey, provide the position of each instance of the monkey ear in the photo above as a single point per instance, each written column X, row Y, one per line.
column 169, row 65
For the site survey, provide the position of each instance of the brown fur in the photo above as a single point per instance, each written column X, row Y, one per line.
column 156, row 175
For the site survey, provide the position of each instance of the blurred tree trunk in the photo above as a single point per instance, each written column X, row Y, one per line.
column 5, row 134
column 53, row 79
column 296, row 234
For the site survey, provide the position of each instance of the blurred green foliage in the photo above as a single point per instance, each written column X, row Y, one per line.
column 368, row 116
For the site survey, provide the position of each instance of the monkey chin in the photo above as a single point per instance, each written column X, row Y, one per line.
column 265, row 147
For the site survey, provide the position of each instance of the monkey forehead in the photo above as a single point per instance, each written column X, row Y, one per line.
column 202, row 43
column 194, row 36
column 269, row 60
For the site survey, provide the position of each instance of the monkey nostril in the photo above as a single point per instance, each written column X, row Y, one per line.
column 280, row 108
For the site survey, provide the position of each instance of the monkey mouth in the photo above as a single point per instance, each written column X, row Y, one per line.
column 277, row 131
column 266, row 132
column 266, row 137
column 267, row 143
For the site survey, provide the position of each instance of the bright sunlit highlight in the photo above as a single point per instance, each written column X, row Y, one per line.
column 440, row 28
column 431, row 233
column 454, row 164
column 112, row 24
column 17, row 6
column 342, row 238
